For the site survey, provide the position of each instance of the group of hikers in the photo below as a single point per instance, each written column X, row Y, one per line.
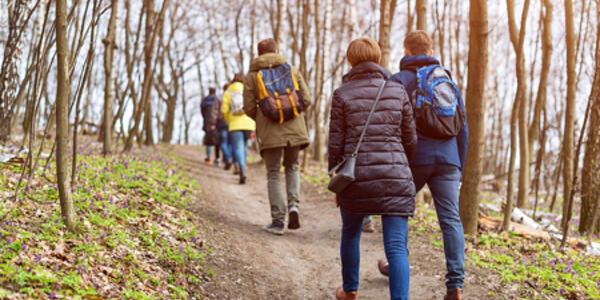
column 389, row 135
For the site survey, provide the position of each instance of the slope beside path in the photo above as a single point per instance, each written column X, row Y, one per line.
column 249, row 263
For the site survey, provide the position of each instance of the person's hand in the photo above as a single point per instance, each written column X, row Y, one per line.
column 213, row 127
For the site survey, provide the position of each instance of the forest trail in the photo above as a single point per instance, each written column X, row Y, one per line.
column 250, row 263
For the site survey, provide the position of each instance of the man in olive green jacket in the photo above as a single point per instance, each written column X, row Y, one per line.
column 278, row 139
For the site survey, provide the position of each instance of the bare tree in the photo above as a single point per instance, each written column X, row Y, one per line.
column 109, row 73
column 568, row 139
column 386, row 9
column 62, row 117
column 475, row 102
column 590, row 185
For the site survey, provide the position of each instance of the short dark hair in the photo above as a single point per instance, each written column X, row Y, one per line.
column 418, row 42
column 239, row 77
column 267, row 46
column 225, row 86
column 212, row 90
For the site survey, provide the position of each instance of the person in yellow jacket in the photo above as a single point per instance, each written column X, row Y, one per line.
column 240, row 125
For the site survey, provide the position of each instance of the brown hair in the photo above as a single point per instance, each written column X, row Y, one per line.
column 418, row 42
column 239, row 77
column 267, row 46
column 363, row 49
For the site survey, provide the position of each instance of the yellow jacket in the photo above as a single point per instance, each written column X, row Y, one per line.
column 235, row 122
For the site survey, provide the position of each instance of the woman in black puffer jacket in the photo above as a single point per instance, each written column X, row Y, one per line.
column 384, row 184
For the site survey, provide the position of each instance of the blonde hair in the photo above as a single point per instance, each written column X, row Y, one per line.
column 363, row 49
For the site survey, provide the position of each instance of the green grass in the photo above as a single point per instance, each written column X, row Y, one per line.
column 138, row 237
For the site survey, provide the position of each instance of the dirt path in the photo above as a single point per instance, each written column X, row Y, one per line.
column 252, row 264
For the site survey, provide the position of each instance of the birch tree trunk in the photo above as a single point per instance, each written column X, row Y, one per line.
column 109, row 73
column 386, row 17
column 9, row 76
column 475, row 102
column 62, row 117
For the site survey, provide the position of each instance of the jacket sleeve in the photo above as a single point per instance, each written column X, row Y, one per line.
column 409, row 130
column 337, row 131
column 250, row 96
column 463, row 139
column 303, row 87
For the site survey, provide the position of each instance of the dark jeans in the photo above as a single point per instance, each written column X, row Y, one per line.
column 395, row 241
column 443, row 182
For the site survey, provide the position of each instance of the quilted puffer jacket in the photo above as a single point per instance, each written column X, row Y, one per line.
column 384, row 183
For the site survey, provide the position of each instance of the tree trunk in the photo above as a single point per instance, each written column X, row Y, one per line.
column 385, row 26
column 62, row 117
column 144, row 104
column 109, row 73
column 9, row 78
column 568, row 140
column 475, row 102
column 421, row 7
column 590, row 185
column 517, row 38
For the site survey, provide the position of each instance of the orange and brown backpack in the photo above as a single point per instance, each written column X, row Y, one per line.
column 280, row 98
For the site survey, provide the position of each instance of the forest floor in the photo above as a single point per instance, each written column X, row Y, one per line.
column 250, row 263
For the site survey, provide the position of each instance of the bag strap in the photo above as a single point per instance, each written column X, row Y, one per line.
column 362, row 135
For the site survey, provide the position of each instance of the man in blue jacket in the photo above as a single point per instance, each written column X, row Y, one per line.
column 439, row 164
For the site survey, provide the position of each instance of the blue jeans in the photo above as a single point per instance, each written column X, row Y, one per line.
column 240, row 149
column 226, row 145
column 443, row 182
column 395, row 241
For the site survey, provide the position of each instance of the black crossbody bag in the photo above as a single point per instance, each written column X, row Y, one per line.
column 342, row 174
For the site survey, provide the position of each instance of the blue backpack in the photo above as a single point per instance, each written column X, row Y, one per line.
column 280, row 97
column 437, row 102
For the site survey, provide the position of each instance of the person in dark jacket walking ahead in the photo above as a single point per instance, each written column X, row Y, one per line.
column 439, row 164
column 384, row 184
column 211, row 136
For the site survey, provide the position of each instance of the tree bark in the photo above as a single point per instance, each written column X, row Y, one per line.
column 475, row 102
column 62, row 118
column 421, row 7
column 517, row 38
column 569, row 127
column 109, row 73
column 590, row 185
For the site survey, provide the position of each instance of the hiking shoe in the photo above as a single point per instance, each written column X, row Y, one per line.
column 384, row 267
column 242, row 179
column 236, row 169
column 368, row 226
column 341, row 295
column 216, row 162
column 227, row 166
column 455, row 294
column 294, row 218
column 275, row 227
column 207, row 161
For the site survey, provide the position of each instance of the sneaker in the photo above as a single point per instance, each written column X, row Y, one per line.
column 275, row 227
column 367, row 225
column 216, row 162
column 207, row 161
column 227, row 166
column 294, row 218
column 242, row 179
